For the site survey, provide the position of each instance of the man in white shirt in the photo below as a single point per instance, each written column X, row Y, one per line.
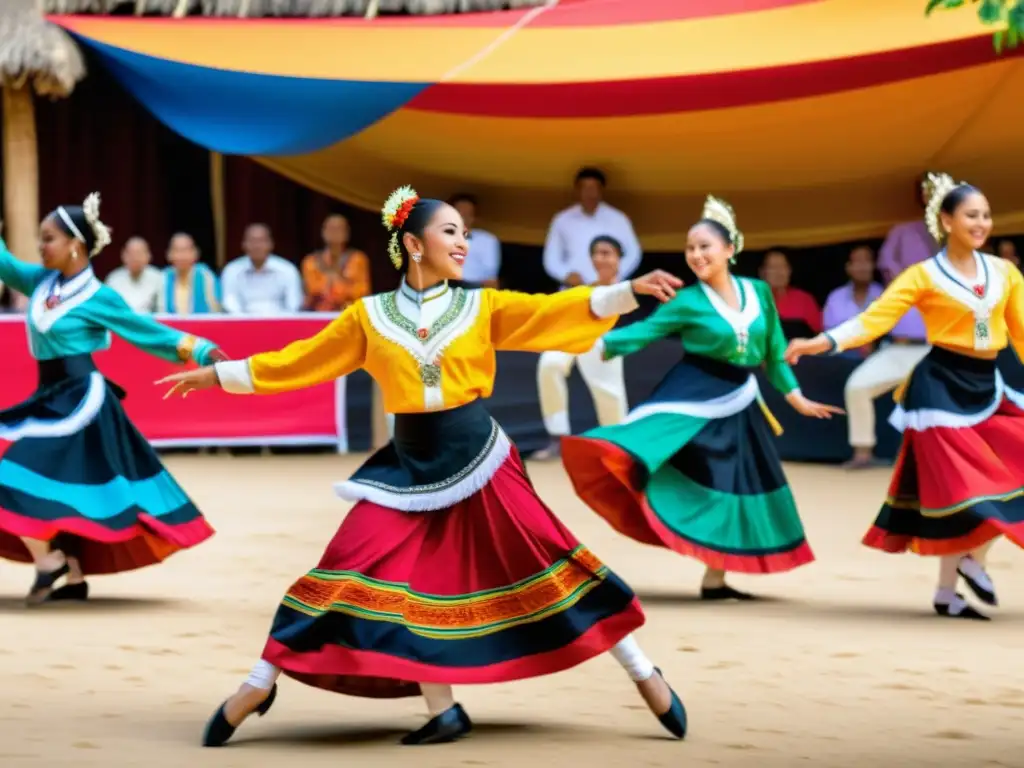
column 260, row 282
column 567, row 249
column 604, row 378
column 138, row 283
column 483, row 262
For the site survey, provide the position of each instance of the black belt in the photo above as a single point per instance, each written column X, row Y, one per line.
column 720, row 369
column 63, row 368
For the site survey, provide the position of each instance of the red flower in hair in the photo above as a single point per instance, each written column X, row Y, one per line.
column 403, row 212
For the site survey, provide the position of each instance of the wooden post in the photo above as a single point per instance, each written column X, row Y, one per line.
column 219, row 207
column 21, row 176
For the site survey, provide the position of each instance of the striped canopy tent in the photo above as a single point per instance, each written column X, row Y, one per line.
column 811, row 116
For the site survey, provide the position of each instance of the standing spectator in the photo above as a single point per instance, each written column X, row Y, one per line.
column 261, row 282
column 848, row 301
column 190, row 288
column 797, row 308
column 139, row 283
column 1007, row 249
column 567, row 248
column 338, row 274
column 483, row 262
column 907, row 243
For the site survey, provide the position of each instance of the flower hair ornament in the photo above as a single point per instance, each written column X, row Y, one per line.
column 720, row 212
column 394, row 214
column 936, row 186
column 91, row 211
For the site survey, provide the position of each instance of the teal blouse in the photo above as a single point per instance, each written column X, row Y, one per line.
column 707, row 326
column 90, row 312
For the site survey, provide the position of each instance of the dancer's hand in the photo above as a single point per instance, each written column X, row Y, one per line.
column 799, row 347
column 658, row 283
column 815, row 410
column 190, row 381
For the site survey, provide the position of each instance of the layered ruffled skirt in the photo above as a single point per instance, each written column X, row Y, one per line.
column 449, row 569
column 694, row 469
column 959, row 475
column 75, row 471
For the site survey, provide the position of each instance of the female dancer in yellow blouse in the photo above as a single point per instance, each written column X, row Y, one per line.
column 958, row 481
column 449, row 568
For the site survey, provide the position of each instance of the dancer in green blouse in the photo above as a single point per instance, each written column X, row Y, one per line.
column 694, row 468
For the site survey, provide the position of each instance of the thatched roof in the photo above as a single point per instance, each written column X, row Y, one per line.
column 301, row 8
column 35, row 52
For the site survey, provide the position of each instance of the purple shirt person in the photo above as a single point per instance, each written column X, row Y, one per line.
column 849, row 300
column 907, row 244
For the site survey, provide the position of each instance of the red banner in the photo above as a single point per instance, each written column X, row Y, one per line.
column 314, row 416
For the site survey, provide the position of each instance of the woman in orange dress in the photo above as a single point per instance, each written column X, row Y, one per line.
column 337, row 275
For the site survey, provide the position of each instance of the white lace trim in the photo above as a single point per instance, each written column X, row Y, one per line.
column 739, row 320
column 716, row 408
column 922, row 419
column 43, row 319
column 88, row 409
column 428, row 501
column 235, row 377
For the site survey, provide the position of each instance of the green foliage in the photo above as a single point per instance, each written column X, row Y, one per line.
column 1007, row 15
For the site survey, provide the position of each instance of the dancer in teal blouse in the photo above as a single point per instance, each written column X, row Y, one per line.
column 81, row 490
column 694, row 468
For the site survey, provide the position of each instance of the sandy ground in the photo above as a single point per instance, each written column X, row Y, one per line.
column 844, row 665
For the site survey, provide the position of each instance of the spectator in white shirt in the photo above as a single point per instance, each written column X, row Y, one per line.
column 567, row 249
column 260, row 282
column 138, row 283
column 483, row 262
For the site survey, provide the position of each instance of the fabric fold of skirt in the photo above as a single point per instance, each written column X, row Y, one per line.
column 73, row 466
column 694, row 469
column 959, row 476
column 488, row 588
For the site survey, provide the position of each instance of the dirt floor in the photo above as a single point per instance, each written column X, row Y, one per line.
column 843, row 665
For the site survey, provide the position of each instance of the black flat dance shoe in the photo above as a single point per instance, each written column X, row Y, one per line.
column 949, row 610
column 79, row 591
column 674, row 720
column 219, row 730
column 450, row 725
column 724, row 593
column 986, row 596
column 43, row 585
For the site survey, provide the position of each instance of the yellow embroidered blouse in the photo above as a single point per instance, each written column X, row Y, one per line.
column 432, row 351
column 975, row 318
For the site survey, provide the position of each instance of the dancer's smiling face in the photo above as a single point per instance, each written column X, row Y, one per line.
column 56, row 248
column 969, row 222
column 708, row 251
column 442, row 246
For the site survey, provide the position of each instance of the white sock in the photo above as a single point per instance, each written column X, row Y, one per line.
column 973, row 570
column 263, row 675
column 628, row 653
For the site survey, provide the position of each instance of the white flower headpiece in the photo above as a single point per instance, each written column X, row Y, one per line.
column 396, row 210
column 936, row 187
column 91, row 209
column 720, row 212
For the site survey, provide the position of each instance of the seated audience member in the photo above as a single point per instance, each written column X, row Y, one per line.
column 261, row 282
column 139, row 283
column 338, row 274
column 797, row 308
column 849, row 300
column 567, row 248
column 190, row 288
column 1007, row 249
column 483, row 262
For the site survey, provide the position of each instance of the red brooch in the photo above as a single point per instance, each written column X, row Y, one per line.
column 421, row 334
column 979, row 291
column 52, row 301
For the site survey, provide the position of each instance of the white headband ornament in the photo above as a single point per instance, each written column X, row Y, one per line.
column 936, row 187
column 720, row 212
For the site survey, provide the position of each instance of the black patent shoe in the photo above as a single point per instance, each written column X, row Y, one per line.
column 79, row 591
column 986, row 596
column 724, row 593
column 959, row 610
column 43, row 585
column 450, row 725
column 219, row 730
column 674, row 720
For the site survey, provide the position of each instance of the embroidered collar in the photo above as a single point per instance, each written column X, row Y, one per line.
column 389, row 307
column 981, row 281
column 427, row 294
